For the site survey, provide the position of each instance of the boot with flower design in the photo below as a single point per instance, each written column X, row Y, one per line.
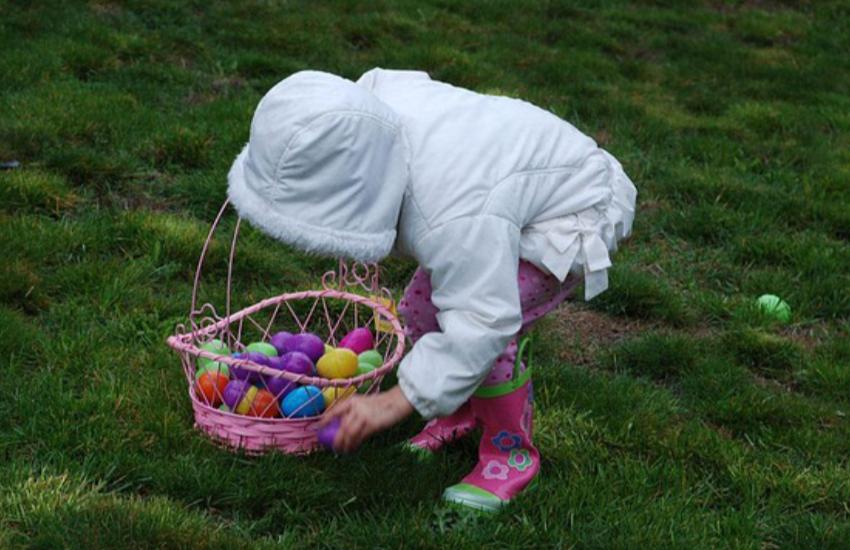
column 507, row 460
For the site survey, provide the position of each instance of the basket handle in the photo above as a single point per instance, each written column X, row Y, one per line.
column 193, row 311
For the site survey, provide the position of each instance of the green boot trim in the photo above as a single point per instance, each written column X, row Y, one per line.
column 474, row 497
column 422, row 455
column 516, row 381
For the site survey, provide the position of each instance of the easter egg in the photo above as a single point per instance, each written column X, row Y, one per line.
column 210, row 387
column 303, row 401
column 327, row 434
column 279, row 339
column 234, row 392
column 216, row 367
column 332, row 394
column 278, row 385
column 358, row 340
column 309, row 344
column 213, row 346
column 298, row 363
column 775, row 307
column 244, row 406
column 340, row 363
column 224, row 408
column 371, row 357
column 264, row 405
column 242, row 373
column 262, row 347
column 364, row 368
column 328, row 348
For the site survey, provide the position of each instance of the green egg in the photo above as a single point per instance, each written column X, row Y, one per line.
column 371, row 357
column 363, row 368
column 213, row 366
column 224, row 408
column 213, row 346
column 262, row 347
column 775, row 307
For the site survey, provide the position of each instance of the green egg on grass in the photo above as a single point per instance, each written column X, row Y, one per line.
column 775, row 307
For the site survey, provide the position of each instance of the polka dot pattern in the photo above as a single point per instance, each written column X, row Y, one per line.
column 539, row 294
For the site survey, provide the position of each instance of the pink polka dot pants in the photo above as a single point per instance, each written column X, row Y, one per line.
column 539, row 294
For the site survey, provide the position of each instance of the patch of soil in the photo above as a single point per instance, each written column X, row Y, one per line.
column 585, row 332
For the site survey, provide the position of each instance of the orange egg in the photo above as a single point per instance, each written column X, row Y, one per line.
column 264, row 405
column 210, row 386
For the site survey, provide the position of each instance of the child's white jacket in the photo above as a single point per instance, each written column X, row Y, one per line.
column 465, row 183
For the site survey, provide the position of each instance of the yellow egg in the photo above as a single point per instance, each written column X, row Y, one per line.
column 328, row 348
column 332, row 394
column 338, row 363
column 245, row 405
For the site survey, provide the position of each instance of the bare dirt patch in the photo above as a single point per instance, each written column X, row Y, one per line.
column 585, row 332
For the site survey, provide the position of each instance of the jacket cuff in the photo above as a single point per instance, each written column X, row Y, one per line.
column 423, row 406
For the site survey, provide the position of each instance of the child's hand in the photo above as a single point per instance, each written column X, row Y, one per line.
column 362, row 415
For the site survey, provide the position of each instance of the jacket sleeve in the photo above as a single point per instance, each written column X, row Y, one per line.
column 473, row 264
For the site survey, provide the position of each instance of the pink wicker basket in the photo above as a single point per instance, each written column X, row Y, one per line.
column 349, row 298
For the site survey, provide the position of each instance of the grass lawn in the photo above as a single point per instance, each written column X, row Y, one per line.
column 671, row 414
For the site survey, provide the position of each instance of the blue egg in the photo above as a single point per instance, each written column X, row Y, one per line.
column 303, row 401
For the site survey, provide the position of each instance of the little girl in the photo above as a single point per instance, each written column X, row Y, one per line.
column 501, row 203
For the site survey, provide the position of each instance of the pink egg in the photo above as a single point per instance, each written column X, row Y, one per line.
column 358, row 340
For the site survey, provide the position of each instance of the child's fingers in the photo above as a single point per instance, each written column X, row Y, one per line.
column 351, row 432
column 340, row 409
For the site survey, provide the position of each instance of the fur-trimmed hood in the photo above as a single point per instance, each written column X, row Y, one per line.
column 325, row 168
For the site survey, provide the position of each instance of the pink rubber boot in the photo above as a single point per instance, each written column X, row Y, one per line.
column 440, row 431
column 507, row 460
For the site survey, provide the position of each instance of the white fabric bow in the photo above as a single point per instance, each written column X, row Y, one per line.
column 579, row 234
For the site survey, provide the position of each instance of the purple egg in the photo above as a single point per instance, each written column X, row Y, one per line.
column 309, row 344
column 234, row 391
column 327, row 434
column 278, row 386
column 242, row 373
column 298, row 363
column 279, row 341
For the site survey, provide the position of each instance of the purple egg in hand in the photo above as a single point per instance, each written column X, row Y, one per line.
column 327, row 434
column 234, row 391
column 278, row 340
column 242, row 373
column 309, row 344
column 298, row 363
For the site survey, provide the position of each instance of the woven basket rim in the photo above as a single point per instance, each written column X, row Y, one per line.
column 184, row 343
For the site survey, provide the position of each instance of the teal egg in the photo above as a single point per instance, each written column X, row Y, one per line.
column 262, row 347
column 371, row 357
column 213, row 346
column 303, row 401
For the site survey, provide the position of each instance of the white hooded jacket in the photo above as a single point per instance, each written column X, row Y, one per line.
column 465, row 183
